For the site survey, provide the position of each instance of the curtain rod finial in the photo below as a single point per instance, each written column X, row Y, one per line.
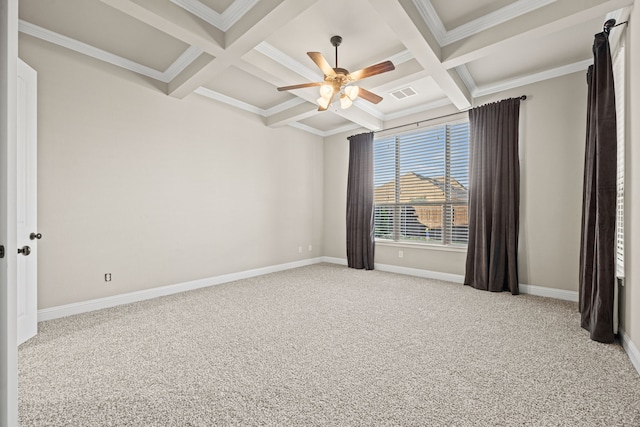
column 610, row 23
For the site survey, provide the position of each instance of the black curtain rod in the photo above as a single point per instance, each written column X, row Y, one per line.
column 611, row 23
column 522, row 98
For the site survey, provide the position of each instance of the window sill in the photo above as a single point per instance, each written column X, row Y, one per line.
column 427, row 246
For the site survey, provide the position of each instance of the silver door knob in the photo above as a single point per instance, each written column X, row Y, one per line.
column 25, row 250
column 34, row 236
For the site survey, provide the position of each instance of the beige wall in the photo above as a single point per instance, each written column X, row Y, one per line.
column 630, row 293
column 553, row 122
column 160, row 191
column 156, row 190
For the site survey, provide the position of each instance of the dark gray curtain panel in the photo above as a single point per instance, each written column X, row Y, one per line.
column 360, row 237
column 494, row 197
column 597, row 245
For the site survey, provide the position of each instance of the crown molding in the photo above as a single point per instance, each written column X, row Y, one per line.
column 401, row 57
column 494, row 18
column 466, row 78
column 309, row 129
column 285, row 60
column 532, row 78
column 225, row 99
column 235, row 11
column 223, row 21
column 188, row 56
column 419, row 109
column 324, row 134
column 430, row 17
column 202, row 11
column 212, row 94
column 341, row 129
column 368, row 108
column 85, row 49
column 284, row 106
column 183, row 61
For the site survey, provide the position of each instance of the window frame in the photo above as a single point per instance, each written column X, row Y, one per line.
column 447, row 242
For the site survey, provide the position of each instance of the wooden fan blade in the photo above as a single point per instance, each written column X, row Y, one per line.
column 300, row 86
column 369, row 96
column 372, row 70
column 322, row 63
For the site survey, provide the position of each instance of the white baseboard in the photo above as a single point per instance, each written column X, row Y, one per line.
column 404, row 270
column 631, row 349
column 455, row 278
column 332, row 260
column 112, row 301
column 115, row 300
column 540, row 291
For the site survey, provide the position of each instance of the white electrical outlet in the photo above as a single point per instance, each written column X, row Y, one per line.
column 310, row 248
column 299, row 249
column 400, row 254
column 107, row 277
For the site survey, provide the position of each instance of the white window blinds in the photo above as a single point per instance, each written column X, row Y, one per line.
column 421, row 181
column 619, row 85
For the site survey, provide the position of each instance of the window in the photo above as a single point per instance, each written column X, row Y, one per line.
column 420, row 185
column 619, row 85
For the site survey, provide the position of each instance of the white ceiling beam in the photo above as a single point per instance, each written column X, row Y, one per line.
column 174, row 21
column 224, row 20
column 401, row 82
column 223, row 49
column 226, row 50
column 403, row 18
column 195, row 67
column 491, row 19
column 547, row 20
column 294, row 114
column 186, row 84
column 532, row 78
column 359, row 117
column 255, row 26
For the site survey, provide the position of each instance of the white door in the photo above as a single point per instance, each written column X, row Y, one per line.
column 27, row 224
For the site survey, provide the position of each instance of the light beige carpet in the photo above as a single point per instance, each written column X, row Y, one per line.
column 327, row 346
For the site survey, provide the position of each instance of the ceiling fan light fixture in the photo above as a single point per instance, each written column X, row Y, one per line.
column 345, row 102
column 323, row 102
column 326, row 91
column 352, row 92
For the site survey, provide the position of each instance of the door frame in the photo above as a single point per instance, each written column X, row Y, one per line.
column 27, row 199
column 8, row 238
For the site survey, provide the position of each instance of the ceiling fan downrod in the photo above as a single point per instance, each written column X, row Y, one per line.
column 335, row 41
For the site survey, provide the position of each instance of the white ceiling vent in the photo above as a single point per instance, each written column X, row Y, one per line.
column 403, row 93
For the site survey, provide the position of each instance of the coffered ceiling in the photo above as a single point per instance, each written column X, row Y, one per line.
column 237, row 52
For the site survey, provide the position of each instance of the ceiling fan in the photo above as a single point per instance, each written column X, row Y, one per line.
column 339, row 80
